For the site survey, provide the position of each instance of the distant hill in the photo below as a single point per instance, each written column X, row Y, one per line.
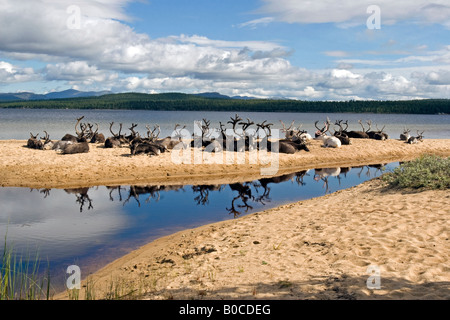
column 72, row 93
column 66, row 94
column 176, row 101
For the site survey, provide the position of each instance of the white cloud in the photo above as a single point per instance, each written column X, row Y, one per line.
column 336, row 53
column 350, row 12
column 10, row 73
column 107, row 54
column 257, row 22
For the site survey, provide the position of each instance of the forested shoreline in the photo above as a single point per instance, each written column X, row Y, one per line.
column 188, row 102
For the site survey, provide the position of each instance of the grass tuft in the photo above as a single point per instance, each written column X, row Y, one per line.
column 426, row 172
column 21, row 279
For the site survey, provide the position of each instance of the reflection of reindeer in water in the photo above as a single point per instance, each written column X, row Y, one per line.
column 203, row 190
column 136, row 191
column 378, row 167
column 264, row 182
column 82, row 197
column 324, row 173
column 111, row 189
column 245, row 194
column 45, row 191
column 152, row 191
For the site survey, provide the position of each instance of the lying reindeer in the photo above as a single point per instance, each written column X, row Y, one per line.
column 284, row 145
column 416, row 139
column 340, row 134
column 80, row 146
column 328, row 141
column 405, row 135
column 35, row 143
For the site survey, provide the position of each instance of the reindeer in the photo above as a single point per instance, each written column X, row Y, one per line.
column 416, row 139
column 233, row 144
column 341, row 135
column 97, row 137
column 71, row 137
column 81, row 145
column 171, row 141
column 47, row 144
column 116, row 140
column 147, row 145
column 34, row 143
column 358, row 134
column 284, row 145
column 295, row 134
column 328, row 141
column 248, row 139
column 405, row 135
column 133, row 133
column 377, row 135
column 203, row 140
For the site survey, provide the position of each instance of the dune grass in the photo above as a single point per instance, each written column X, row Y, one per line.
column 426, row 172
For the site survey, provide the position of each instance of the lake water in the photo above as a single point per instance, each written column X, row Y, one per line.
column 90, row 227
column 18, row 123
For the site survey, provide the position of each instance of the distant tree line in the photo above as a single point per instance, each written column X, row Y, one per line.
column 187, row 102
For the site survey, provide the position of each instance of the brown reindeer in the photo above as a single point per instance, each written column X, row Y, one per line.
column 81, row 145
column 358, row 134
column 97, row 137
column 340, row 134
column 34, row 143
column 116, row 140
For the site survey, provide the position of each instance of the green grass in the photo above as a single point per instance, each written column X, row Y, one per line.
column 427, row 172
column 21, row 279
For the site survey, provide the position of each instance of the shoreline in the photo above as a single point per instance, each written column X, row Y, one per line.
column 24, row 167
column 314, row 249
column 304, row 250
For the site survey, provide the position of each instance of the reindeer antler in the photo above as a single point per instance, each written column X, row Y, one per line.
column 76, row 125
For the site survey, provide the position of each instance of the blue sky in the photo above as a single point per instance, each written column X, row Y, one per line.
column 298, row 49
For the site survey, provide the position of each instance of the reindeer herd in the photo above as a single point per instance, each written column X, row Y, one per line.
column 242, row 136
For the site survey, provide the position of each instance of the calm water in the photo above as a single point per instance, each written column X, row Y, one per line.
column 92, row 226
column 18, row 123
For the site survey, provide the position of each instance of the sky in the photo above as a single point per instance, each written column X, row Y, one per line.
column 295, row 49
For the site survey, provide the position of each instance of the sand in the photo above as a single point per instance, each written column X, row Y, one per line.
column 24, row 167
column 315, row 249
column 322, row 248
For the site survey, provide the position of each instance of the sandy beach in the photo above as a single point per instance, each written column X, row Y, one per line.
column 24, row 167
column 315, row 249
